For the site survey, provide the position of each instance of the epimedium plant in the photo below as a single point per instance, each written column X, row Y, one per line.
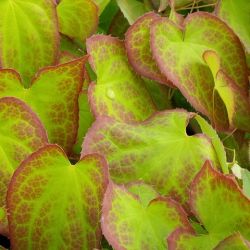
column 124, row 124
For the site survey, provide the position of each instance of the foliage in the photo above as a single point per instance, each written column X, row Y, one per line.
column 124, row 124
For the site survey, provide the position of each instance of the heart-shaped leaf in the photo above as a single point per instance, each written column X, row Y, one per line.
column 77, row 18
column 213, row 193
column 118, row 92
column 137, row 44
column 55, row 205
column 53, row 95
column 157, row 151
column 237, row 15
column 145, row 226
column 234, row 242
column 183, row 58
column 21, row 133
column 29, row 36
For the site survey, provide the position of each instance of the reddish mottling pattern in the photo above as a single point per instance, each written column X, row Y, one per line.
column 198, row 85
column 132, row 151
column 22, row 133
column 121, row 234
column 121, row 93
column 138, row 49
column 221, row 38
column 39, row 189
column 226, row 201
column 42, row 39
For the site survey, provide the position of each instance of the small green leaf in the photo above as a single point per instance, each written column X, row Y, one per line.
column 85, row 120
column 131, row 9
column 21, row 133
column 78, row 19
column 53, row 95
column 157, row 151
column 29, row 38
column 118, row 92
column 129, row 224
column 217, row 144
column 55, row 205
column 219, row 204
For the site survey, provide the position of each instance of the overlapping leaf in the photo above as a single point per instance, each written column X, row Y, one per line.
column 198, row 63
column 237, row 15
column 233, row 242
column 53, row 96
column 55, row 205
column 21, row 133
column 219, row 204
column 127, row 223
column 28, row 36
column 182, row 58
column 157, row 151
column 77, row 18
column 137, row 44
column 131, row 9
column 118, row 92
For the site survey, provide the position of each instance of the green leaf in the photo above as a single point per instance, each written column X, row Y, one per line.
column 160, row 94
column 131, row 9
column 137, row 42
column 60, row 203
column 78, row 19
column 218, row 202
column 197, row 61
column 237, row 15
column 29, row 37
column 85, row 120
column 129, row 224
column 21, row 133
column 157, row 151
column 118, row 92
column 53, row 95
column 244, row 175
column 233, row 242
column 217, row 144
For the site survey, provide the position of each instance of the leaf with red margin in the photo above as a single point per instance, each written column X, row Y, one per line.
column 21, row 133
column 233, row 242
column 55, row 205
column 53, row 95
column 219, row 204
column 129, row 224
column 78, row 19
column 179, row 56
column 29, row 36
column 118, row 92
column 157, row 151
column 137, row 42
